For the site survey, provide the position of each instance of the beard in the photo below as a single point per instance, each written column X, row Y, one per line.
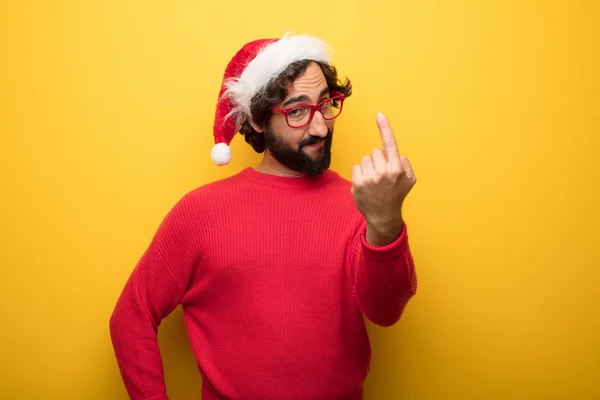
column 297, row 159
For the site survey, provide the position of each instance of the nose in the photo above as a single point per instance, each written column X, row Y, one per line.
column 317, row 126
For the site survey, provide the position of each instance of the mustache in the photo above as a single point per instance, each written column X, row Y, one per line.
column 315, row 139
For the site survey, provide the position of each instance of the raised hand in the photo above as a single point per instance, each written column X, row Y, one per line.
column 380, row 183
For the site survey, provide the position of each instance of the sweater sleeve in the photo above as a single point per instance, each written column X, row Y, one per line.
column 384, row 277
column 152, row 291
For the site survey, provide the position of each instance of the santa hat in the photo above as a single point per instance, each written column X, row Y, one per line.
column 248, row 73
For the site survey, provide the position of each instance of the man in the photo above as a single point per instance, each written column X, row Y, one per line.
column 277, row 266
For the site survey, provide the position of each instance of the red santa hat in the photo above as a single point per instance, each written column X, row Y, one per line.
column 248, row 73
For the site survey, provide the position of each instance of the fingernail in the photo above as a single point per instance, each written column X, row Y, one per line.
column 380, row 116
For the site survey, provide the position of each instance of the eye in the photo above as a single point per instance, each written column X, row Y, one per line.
column 297, row 112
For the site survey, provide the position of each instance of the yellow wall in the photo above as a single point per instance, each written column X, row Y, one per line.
column 106, row 114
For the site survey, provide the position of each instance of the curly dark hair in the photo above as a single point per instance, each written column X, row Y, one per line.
column 262, row 104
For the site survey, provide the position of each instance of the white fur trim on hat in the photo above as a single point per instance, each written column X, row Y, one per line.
column 268, row 64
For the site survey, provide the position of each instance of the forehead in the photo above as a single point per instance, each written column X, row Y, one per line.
column 311, row 80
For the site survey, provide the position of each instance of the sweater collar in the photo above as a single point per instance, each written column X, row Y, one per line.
column 288, row 182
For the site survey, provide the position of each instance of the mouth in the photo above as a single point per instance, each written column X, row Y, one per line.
column 316, row 145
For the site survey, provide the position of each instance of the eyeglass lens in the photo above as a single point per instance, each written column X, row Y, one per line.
column 300, row 115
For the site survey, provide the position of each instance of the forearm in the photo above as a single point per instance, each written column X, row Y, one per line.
column 382, row 233
column 135, row 344
column 150, row 294
column 385, row 278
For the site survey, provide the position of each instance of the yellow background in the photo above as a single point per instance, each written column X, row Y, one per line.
column 106, row 117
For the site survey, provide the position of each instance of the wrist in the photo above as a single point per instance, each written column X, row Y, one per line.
column 382, row 233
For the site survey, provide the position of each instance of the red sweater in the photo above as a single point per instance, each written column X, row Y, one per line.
column 274, row 276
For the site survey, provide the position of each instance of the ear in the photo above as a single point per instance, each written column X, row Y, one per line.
column 255, row 127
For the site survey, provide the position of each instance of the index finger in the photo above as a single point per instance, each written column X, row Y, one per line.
column 387, row 138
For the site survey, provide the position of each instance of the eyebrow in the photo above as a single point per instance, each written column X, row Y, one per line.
column 304, row 97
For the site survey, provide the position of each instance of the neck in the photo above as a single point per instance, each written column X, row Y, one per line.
column 271, row 166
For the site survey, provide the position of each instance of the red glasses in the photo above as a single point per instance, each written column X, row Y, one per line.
column 302, row 114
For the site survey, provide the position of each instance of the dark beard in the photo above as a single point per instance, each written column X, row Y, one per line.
column 297, row 159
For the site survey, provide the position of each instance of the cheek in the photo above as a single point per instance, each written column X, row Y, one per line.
column 291, row 135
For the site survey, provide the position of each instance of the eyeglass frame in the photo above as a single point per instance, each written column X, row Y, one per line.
column 313, row 108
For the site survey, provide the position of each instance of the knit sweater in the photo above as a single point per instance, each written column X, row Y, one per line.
column 275, row 278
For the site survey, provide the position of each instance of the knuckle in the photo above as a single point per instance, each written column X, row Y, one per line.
column 391, row 178
column 394, row 170
column 371, row 180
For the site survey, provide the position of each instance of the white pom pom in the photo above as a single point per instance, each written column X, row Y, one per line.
column 220, row 154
